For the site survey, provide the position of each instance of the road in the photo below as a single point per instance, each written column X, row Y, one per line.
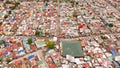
column 38, row 53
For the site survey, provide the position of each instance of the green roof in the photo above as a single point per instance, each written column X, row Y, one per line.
column 72, row 48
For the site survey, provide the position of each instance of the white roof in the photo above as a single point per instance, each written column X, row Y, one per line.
column 65, row 66
column 70, row 58
column 54, row 38
column 77, row 60
column 117, row 58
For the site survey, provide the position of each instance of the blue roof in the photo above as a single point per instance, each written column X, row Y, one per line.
column 31, row 57
column 7, row 44
column 6, row 53
column 20, row 51
column 113, row 51
column 2, row 40
column 46, row 4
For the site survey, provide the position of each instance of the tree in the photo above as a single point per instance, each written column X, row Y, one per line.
column 37, row 33
column 1, row 23
column 16, row 4
column 93, row 17
column 1, row 43
column 104, row 37
column 8, row 61
column 50, row 44
column 8, row 2
column 111, row 25
column 76, row 3
column 75, row 14
column 9, row 12
column 6, row 16
column 29, row 40
column 12, row 8
column 1, row 59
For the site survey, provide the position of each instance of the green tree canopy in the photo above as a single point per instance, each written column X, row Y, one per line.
column 9, row 2
column 111, row 25
column 37, row 33
column 6, row 16
column 9, row 12
column 1, row 43
column 16, row 4
column 104, row 37
column 75, row 14
column 29, row 40
column 1, row 23
column 1, row 59
column 8, row 61
column 50, row 44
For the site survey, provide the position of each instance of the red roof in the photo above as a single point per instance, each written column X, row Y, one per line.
column 35, row 66
column 1, row 27
column 85, row 65
column 14, row 26
column 14, row 56
column 33, row 47
column 18, row 62
column 13, row 45
column 27, row 12
column 37, row 20
column 26, row 60
column 66, row 23
column 19, row 44
column 52, row 65
column 8, row 49
column 80, row 26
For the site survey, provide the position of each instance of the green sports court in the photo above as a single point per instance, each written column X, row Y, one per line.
column 72, row 48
